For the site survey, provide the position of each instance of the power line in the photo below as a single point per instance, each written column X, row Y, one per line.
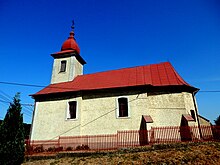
column 20, row 84
column 214, row 91
column 43, row 86
column 4, row 98
column 28, row 113
column 5, row 94
column 31, row 85
column 7, row 100
column 27, row 110
column 90, row 121
column 20, row 103
column 28, row 105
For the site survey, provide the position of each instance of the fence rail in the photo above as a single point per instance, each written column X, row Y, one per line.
column 127, row 138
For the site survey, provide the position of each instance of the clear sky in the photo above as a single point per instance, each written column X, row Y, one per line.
column 111, row 34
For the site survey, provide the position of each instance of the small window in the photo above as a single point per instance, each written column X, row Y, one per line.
column 72, row 110
column 122, row 107
column 193, row 114
column 63, row 66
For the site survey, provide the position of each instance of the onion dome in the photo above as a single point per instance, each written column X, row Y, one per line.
column 70, row 44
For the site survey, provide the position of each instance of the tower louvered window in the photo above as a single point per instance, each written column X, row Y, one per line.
column 63, row 66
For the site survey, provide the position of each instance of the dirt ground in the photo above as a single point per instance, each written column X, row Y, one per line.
column 199, row 154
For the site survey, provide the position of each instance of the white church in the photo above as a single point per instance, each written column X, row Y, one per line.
column 135, row 98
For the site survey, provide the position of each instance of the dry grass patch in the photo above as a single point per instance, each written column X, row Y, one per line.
column 193, row 154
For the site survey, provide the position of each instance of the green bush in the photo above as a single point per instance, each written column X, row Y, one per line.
column 12, row 147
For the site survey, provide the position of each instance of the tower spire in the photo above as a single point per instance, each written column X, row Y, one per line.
column 72, row 27
column 72, row 31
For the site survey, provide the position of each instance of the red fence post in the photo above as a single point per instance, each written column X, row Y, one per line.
column 128, row 138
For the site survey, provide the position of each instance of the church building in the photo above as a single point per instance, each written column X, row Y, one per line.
column 135, row 98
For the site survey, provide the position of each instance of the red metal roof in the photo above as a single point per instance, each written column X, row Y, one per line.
column 69, row 44
column 65, row 51
column 162, row 74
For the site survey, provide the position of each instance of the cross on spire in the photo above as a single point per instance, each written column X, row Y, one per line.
column 72, row 27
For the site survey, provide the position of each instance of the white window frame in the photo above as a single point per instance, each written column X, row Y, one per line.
column 117, row 108
column 68, row 113
column 61, row 71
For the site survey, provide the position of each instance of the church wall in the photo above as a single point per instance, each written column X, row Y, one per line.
column 189, row 104
column 97, row 113
column 167, row 109
column 50, row 120
column 73, row 68
column 101, row 114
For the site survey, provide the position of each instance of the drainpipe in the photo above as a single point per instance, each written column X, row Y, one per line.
column 197, row 115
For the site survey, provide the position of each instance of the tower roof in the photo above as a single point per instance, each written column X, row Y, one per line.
column 70, row 48
column 70, row 44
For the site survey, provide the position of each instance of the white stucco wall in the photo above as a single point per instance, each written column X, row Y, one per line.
column 109, row 123
column 73, row 69
column 50, row 120
column 167, row 109
column 97, row 114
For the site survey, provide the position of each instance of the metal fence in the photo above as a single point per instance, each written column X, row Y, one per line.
column 123, row 139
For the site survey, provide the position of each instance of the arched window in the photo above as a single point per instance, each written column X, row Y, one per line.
column 72, row 110
column 123, row 107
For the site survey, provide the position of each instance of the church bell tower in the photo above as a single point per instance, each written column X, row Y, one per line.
column 67, row 63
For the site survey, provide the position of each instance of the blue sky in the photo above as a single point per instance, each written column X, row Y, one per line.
column 111, row 34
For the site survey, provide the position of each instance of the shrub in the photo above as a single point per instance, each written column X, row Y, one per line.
column 51, row 149
column 59, row 149
column 69, row 148
column 82, row 147
column 39, row 149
